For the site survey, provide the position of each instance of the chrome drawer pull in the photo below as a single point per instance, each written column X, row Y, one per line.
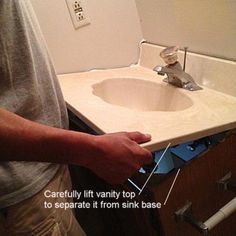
column 186, row 214
column 225, row 184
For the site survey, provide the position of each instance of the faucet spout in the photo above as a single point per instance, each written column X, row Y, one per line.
column 178, row 78
column 175, row 74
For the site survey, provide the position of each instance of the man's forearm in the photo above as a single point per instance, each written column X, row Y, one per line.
column 23, row 140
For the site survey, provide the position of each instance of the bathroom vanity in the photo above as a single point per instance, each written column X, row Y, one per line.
column 200, row 181
column 136, row 99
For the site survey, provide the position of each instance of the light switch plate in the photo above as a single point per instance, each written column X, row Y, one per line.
column 78, row 13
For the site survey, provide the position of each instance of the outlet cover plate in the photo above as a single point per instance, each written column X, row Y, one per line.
column 78, row 13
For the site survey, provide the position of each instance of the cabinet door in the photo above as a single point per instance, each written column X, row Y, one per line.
column 196, row 183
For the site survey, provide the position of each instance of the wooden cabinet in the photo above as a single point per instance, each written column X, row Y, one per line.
column 196, row 183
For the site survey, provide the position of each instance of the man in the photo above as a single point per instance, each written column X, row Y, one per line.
column 33, row 135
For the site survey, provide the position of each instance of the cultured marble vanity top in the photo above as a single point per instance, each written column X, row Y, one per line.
column 204, row 112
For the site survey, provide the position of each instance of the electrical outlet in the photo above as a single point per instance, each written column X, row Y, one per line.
column 78, row 13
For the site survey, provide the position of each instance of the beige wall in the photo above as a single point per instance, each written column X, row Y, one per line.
column 111, row 40
column 206, row 26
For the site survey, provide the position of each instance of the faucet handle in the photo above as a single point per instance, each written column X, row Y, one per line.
column 169, row 54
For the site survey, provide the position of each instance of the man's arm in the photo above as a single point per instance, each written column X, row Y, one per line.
column 113, row 157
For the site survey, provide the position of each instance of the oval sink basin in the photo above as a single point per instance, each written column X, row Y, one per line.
column 141, row 95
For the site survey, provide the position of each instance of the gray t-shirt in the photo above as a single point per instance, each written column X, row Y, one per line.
column 29, row 88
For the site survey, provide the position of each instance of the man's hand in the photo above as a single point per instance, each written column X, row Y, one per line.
column 119, row 156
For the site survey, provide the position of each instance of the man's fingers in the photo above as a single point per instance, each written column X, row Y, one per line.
column 145, row 156
column 139, row 137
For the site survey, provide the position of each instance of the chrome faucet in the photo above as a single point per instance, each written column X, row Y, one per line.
column 174, row 71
